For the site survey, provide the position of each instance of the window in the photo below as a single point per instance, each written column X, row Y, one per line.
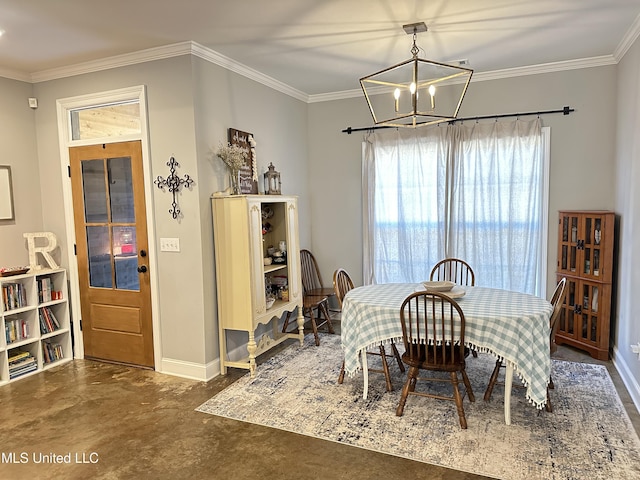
column 106, row 121
column 475, row 192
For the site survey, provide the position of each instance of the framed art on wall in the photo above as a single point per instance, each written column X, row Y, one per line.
column 6, row 194
column 248, row 173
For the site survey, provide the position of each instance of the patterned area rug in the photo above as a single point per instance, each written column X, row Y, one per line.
column 588, row 435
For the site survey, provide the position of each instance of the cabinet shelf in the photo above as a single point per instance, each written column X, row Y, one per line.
column 585, row 258
column 50, row 286
column 274, row 268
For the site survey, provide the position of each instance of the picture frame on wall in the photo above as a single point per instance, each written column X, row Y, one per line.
column 6, row 194
column 248, row 181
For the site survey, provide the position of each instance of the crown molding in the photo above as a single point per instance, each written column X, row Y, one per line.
column 209, row 55
column 141, row 56
column 15, row 75
column 168, row 51
column 628, row 39
column 484, row 76
column 248, row 72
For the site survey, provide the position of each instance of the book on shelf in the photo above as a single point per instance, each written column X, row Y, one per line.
column 16, row 330
column 52, row 352
column 16, row 355
column 21, row 362
column 21, row 371
column 44, row 289
column 48, row 321
column 14, row 296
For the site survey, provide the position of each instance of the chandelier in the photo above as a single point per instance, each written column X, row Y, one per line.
column 416, row 92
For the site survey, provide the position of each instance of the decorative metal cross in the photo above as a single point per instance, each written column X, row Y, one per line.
column 173, row 183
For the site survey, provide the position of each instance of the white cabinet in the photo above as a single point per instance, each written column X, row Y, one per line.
column 34, row 316
column 245, row 227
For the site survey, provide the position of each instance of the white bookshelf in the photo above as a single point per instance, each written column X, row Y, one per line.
column 35, row 322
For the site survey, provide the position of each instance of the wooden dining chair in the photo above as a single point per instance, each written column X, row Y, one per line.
column 311, row 278
column 433, row 335
column 315, row 298
column 454, row 270
column 342, row 283
column 557, row 299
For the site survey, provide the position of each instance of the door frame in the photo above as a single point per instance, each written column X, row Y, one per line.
column 64, row 107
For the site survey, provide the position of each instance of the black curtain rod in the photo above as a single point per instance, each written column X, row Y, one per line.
column 564, row 111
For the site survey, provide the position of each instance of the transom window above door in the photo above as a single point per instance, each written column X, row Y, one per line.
column 105, row 121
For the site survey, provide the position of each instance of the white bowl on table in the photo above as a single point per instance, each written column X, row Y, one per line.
column 440, row 286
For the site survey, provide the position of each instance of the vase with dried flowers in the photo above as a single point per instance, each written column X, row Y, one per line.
column 233, row 156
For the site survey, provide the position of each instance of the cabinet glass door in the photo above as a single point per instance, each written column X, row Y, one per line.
column 568, row 256
column 568, row 315
column 593, row 241
column 588, row 311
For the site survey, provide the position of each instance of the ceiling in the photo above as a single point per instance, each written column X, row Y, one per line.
column 318, row 46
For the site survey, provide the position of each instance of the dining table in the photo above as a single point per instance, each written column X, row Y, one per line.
column 512, row 326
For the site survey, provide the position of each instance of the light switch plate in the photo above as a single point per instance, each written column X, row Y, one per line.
column 169, row 244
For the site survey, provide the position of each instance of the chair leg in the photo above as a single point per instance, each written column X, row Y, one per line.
column 548, row 407
column 341, row 376
column 314, row 326
column 398, row 357
column 467, row 385
column 551, row 385
column 492, row 381
column 285, row 325
column 474, row 353
column 324, row 306
column 413, row 372
column 458, row 399
column 385, row 368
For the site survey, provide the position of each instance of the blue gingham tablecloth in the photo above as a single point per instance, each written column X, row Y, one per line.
column 511, row 325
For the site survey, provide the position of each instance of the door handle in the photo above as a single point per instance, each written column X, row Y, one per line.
column 142, row 268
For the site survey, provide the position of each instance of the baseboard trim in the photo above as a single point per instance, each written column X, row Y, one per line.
column 190, row 370
column 627, row 377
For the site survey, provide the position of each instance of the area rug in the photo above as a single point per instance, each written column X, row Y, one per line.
column 588, row 435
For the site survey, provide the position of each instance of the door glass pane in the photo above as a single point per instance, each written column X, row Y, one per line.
column 105, row 121
column 94, row 191
column 100, row 271
column 121, row 190
column 126, row 258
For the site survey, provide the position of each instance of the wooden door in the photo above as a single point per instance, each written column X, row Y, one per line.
column 110, row 224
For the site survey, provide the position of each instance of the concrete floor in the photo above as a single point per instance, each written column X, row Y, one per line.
column 134, row 423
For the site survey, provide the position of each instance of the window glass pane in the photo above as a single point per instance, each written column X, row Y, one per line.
column 126, row 258
column 105, row 121
column 94, row 191
column 99, row 257
column 121, row 190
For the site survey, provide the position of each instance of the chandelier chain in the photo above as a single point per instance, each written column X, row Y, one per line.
column 415, row 50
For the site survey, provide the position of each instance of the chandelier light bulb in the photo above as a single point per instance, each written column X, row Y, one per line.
column 432, row 92
column 412, row 88
column 396, row 95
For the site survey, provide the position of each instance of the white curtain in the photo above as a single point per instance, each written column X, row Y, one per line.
column 469, row 191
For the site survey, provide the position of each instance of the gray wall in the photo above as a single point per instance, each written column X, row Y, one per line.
column 278, row 124
column 627, row 203
column 17, row 133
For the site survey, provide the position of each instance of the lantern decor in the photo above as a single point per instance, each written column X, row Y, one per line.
column 416, row 92
column 272, row 181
